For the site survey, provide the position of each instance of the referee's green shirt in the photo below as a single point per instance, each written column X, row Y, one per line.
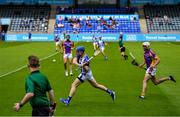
column 121, row 43
column 38, row 84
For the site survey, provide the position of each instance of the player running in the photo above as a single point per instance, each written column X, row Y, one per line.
column 122, row 47
column 101, row 46
column 68, row 46
column 95, row 43
column 82, row 60
column 58, row 43
column 151, row 60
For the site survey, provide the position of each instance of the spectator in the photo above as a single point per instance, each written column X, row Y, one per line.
column 128, row 3
column 98, row 18
column 29, row 36
column 0, row 36
column 42, row 25
column 60, row 25
column 80, row 18
column 66, row 18
column 60, row 18
column 88, row 24
column 151, row 21
column 114, row 23
column 166, row 19
column 161, row 22
column 3, row 34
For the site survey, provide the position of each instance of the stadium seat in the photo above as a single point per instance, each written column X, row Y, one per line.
column 26, row 18
column 164, row 18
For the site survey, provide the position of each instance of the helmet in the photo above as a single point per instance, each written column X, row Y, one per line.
column 146, row 44
column 67, row 36
column 80, row 48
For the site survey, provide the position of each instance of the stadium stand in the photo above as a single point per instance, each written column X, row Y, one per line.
column 26, row 18
column 165, row 18
column 99, row 24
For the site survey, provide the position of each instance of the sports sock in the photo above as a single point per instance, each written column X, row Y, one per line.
column 109, row 91
column 69, row 98
column 71, row 71
column 65, row 67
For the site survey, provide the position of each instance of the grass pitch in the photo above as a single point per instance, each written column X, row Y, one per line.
column 115, row 73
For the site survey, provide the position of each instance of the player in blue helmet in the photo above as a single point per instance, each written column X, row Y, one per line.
column 82, row 60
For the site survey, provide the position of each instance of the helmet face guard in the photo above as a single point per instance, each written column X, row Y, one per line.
column 146, row 46
column 80, row 50
column 68, row 37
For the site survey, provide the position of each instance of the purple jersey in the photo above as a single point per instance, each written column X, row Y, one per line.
column 149, row 57
column 68, row 45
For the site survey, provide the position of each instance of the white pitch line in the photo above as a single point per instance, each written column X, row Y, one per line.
column 24, row 66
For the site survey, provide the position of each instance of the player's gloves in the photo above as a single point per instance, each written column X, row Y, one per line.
column 52, row 109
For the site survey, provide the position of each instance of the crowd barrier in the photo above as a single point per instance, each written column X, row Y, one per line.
column 105, row 16
column 88, row 37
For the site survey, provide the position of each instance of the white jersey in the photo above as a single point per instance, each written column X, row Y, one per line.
column 95, row 41
column 101, row 44
column 85, row 74
column 84, row 59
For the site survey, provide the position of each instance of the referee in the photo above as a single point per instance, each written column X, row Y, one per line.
column 122, row 47
column 36, row 86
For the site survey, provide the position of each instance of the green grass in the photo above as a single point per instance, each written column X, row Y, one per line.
column 115, row 73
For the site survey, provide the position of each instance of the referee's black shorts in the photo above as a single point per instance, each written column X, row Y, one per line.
column 40, row 111
column 123, row 49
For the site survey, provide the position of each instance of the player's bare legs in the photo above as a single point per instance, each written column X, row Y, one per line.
column 57, row 47
column 65, row 66
column 103, row 53
column 155, row 82
column 159, row 81
column 61, row 48
column 96, row 85
column 95, row 47
column 72, row 91
column 144, row 86
column 70, row 65
column 93, row 82
column 102, row 87
column 122, row 54
column 74, row 86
